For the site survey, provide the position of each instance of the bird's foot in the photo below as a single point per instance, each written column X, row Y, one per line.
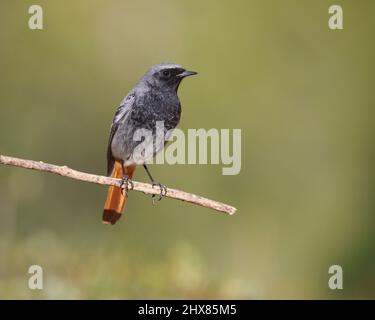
column 163, row 191
column 126, row 185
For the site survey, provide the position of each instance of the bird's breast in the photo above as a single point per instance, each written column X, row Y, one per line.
column 157, row 108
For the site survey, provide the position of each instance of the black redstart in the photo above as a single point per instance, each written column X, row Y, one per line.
column 154, row 99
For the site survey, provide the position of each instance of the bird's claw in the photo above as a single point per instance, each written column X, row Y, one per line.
column 126, row 185
column 163, row 191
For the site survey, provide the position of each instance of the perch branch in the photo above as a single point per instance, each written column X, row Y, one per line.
column 138, row 186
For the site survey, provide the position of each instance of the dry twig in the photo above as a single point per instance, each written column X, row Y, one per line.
column 138, row 186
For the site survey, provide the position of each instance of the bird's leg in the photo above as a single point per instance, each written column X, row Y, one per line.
column 125, row 181
column 163, row 188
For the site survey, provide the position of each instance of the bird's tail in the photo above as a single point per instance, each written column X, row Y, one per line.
column 116, row 198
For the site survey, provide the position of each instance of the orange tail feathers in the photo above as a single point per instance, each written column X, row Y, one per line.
column 116, row 200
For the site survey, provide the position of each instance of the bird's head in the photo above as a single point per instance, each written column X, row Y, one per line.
column 166, row 76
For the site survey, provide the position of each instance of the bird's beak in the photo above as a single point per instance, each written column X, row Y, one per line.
column 186, row 73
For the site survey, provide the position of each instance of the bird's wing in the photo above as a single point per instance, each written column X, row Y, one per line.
column 121, row 112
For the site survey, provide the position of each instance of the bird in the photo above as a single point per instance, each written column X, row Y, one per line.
column 153, row 100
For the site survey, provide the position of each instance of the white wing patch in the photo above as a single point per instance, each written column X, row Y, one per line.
column 124, row 107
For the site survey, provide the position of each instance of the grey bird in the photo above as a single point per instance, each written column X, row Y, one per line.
column 151, row 102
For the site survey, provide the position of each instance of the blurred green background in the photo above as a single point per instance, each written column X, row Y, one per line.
column 302, row 94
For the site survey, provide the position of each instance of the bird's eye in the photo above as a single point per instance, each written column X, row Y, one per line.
column 166, row 73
